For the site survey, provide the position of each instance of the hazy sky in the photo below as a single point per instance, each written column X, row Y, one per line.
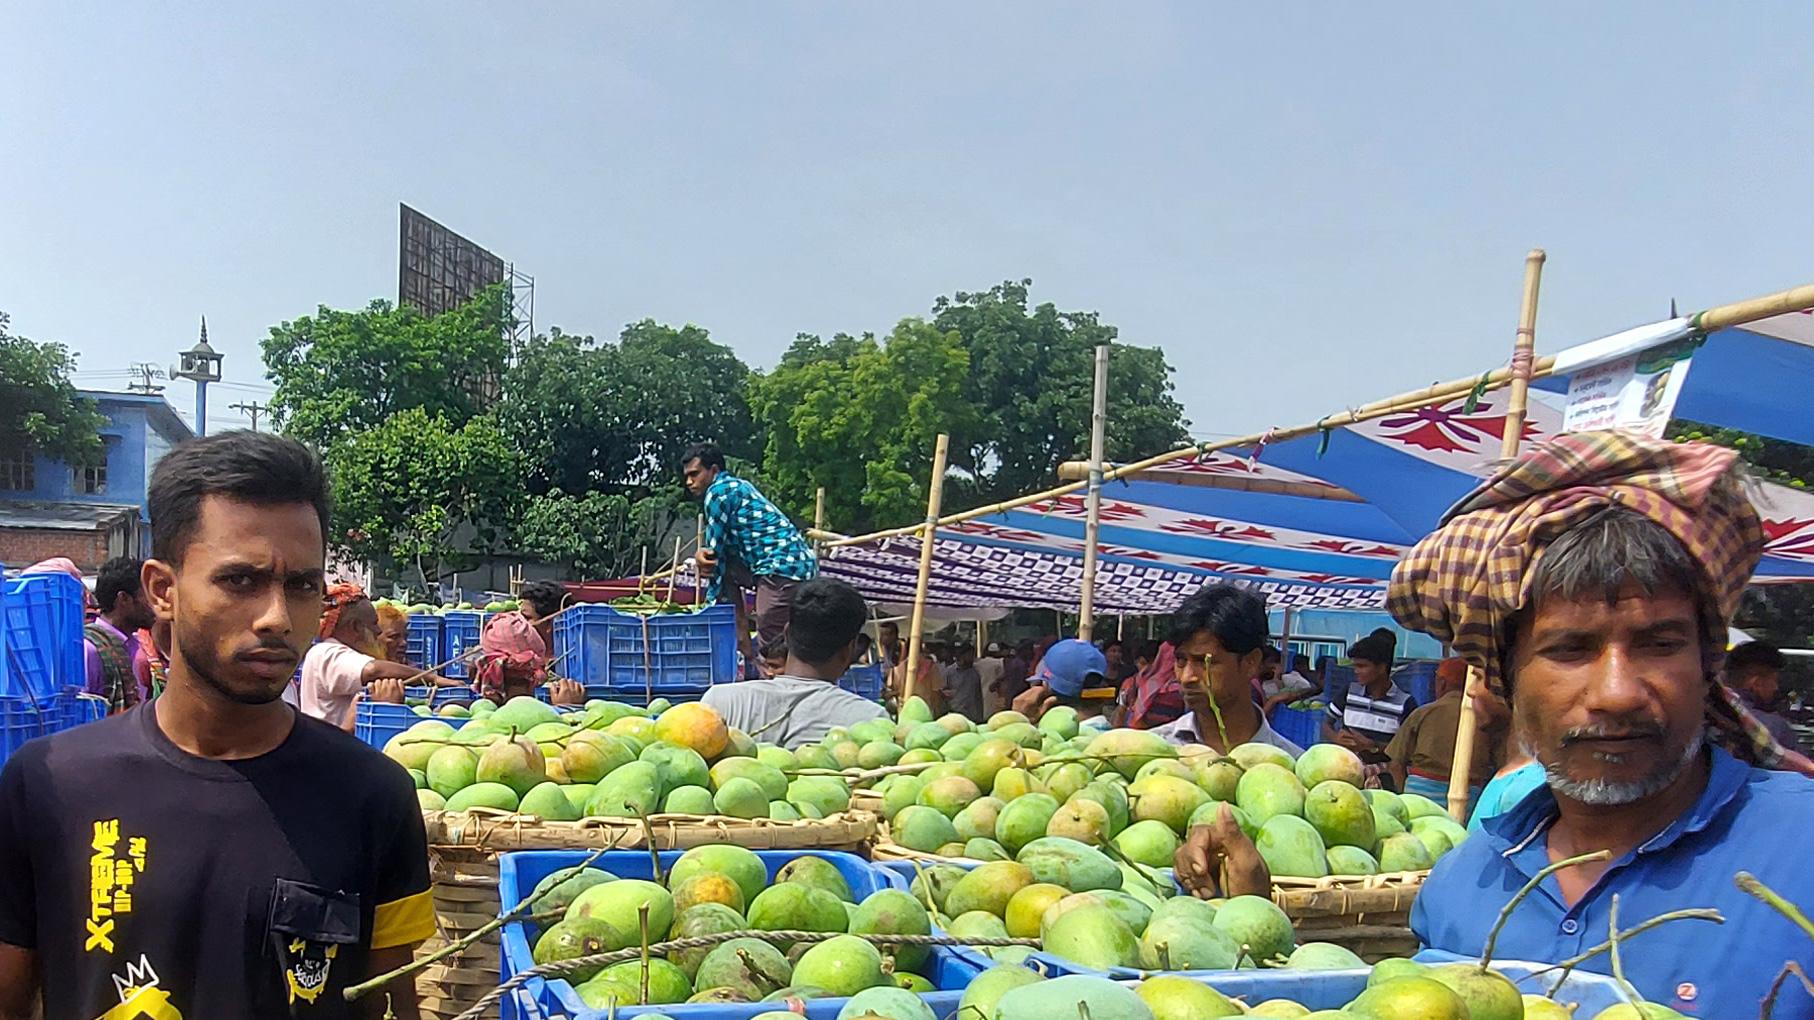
column 1306, row 208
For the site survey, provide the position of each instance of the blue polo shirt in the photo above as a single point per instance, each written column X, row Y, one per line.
column 1746, row 820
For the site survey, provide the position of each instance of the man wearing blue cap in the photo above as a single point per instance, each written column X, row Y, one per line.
column 1073, row 673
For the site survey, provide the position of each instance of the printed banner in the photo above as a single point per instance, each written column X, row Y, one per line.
column 1636, row 393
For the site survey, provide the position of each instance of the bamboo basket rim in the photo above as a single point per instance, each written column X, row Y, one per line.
column 495, row 830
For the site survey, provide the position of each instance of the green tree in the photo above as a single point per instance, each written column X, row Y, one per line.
column 604, row 534
column 616, row 416
column 40, row 409
column 1031, row 380
column 418, row 493
column 861, row 417
column 342, row 373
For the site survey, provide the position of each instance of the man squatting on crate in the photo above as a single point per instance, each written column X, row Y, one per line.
column 749, row 542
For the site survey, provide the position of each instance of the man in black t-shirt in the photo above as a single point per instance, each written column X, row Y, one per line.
column 213, row 853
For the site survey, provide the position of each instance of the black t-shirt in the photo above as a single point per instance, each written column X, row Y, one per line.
column 154, row 884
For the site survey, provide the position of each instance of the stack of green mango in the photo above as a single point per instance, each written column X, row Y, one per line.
column 607, row 760
column 991, row 790
column 721, row 889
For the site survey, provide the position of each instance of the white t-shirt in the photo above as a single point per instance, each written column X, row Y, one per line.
column 332, row 674
column 789, row 710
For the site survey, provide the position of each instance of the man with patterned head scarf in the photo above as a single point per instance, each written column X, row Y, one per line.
column 1591, row 580
column 349, row 656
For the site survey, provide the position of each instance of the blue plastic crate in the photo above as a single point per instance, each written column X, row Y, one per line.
column 424, row 641
column 435, row 696
column 461, row 629
column 635, row 696
column 23, row 719
column 1417, row 679
column 863, row 681
column 519, row 872
column 378, row 722
column 1332, row 989
column 1301, row 726
column 44, row 634
column 684, row 652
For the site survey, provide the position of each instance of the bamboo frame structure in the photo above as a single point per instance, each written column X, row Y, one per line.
column 818, row 513
column 934, row 492
column 1718, row 317
column 1517, row 409
column 1092, row 520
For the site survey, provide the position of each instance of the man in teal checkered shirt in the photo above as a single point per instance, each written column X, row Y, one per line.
column 749, row 542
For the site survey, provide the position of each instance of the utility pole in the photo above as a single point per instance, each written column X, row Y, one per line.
column 147, row 372
column 251, row 410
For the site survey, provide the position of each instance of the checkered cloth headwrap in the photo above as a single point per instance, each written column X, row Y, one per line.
column 1465, row 580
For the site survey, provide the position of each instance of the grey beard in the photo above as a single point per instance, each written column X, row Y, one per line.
column 1602, row 793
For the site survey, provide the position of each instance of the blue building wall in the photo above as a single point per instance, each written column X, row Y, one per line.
column 140, row 429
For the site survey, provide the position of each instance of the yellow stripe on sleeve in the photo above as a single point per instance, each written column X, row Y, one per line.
column 403, row 922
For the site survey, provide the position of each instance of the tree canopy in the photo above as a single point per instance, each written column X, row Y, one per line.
column 40, row 409
column 444, row 447
column 861, row 417
column 340, row 373
column 419, row 495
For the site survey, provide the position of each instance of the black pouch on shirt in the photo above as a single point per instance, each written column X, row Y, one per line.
column 307, row 928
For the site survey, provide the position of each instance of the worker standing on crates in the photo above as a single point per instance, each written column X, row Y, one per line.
column 748, row 542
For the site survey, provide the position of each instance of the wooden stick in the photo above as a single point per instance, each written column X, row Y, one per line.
column 1467, row 724
column 698, row 544
column 1737, row 313
column 819, row 512
column 1075, row 470
column 1092, row 518
column 933, row 494
column 674, row 570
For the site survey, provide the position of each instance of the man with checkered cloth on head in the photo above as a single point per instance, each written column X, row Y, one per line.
column 748, row 543
column 1591, row 580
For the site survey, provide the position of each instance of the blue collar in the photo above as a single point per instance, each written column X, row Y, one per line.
column 1514, row 829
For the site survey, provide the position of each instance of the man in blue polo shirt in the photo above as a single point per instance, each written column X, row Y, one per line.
column 1592, row 579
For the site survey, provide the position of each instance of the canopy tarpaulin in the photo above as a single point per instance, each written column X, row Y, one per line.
column 1321, row 520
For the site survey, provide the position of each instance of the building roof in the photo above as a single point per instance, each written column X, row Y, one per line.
column 24, row 513
column 157, row 409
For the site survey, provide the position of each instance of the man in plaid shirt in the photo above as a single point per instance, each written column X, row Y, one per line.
column 758, row 546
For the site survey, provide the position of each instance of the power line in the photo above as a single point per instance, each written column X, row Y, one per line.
column 147, row 373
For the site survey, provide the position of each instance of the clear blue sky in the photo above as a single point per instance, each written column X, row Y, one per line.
column 1307, row 208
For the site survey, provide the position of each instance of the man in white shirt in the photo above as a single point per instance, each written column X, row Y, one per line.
column 803, row 702
column 988, row 669
column 1220, row 635
column 343, row 662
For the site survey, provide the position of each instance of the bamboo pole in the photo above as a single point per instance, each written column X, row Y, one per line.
column 1092, row 520
column 674, row 570
column 934, row 492
column 1523, row 346
column 1434, row 394
column 819, row 512
column 1795, row 299
column 698, row 544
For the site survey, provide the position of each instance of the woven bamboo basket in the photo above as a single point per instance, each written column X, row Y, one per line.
column 1369, row 914
column 463, row 851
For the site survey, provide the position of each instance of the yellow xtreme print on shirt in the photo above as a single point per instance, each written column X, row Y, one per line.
column 114, row 866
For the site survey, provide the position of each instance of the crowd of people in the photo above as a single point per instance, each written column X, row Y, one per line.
column 262, row 857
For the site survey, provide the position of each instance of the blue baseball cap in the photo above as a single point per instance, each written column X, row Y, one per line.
column 1075, row 669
